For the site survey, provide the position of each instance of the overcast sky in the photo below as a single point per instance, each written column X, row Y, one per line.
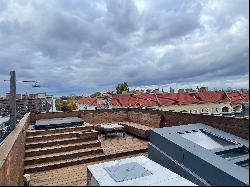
column 82, row 46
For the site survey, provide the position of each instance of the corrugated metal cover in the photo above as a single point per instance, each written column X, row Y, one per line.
column 127, row 171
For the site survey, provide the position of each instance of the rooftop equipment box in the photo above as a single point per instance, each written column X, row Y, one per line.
column 134, row 171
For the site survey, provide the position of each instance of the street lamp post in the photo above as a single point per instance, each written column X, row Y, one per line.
column 12, row 100
column 13, row 110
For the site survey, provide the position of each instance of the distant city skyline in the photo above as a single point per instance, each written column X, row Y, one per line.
column 166, row 88
column 80, row 47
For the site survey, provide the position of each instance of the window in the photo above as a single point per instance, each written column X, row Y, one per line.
column 225, row 109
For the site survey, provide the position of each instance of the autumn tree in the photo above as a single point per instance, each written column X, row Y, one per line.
column 66, row 106
column 122, row 87
column 71, row 104
column 59, row 104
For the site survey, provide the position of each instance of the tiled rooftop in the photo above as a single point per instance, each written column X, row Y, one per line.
column 88, row 101
column 211, row 97
column 165, row 99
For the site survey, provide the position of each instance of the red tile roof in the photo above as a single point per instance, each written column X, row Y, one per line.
column 166, row 99
column 176, row 99
column 146, row 99
column 211, row 97
column 236, row 97
column 123, row 100
column 87, row 101
column 245, row 96
column 186, row 98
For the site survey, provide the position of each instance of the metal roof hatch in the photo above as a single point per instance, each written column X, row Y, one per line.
column 128, row 171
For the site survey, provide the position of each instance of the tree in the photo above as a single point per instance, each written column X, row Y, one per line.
column 122, row 87
column 96, row 94
column 59, row 104
column 66, row 106
column 71, row 104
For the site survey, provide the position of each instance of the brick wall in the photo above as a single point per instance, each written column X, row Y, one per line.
column 89, row 116
column 149, row 118
column 12, row 155
column 104, row 116
column 50, row 115
column 236, row 126
column 156, row 118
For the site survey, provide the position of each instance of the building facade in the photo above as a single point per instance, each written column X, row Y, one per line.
column 25, row 103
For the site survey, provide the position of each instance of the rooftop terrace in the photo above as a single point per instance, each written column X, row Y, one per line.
column 60, row 156
column 113, row 147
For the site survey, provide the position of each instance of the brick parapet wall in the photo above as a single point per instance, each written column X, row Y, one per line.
column 149, row 118
column 156, row 119
column 12, row 153
column 236, row 126
column 50, row 115
column 89, row 116
column 104, row 116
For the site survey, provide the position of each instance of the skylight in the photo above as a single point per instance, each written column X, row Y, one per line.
column 206, row 140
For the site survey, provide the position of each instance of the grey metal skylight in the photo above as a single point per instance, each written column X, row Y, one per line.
column 206, row 140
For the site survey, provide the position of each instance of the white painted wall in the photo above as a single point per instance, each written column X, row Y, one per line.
column 85, row 107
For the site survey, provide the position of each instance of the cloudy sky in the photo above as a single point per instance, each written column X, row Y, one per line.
column 82, row 46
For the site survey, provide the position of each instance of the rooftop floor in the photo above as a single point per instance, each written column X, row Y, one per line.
column 114, row 145
column 68, row 176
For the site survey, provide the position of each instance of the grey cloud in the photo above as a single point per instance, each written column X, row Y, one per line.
column 223, row 13
column 168, row 24
column 122, row 15
column 93, row 45
column 3, row 5
column 165, row 26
